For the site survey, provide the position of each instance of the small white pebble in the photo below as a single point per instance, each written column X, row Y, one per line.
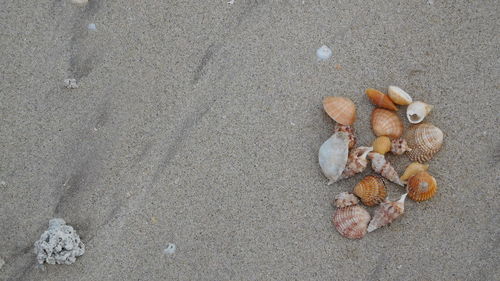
column 80, row 2
column 70, row 83
column 291, row 123
column 399, row 266
column 430, row 2
column 91, row 26
column 323, row 53
column 170, row 249
column 231, row 2
column 2, row 262
column 3, row 184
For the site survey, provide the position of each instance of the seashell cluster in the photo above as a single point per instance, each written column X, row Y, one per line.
column 340, row 158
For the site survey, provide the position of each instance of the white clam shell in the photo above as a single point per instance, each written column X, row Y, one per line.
column 333, row 156
column 417, row 111
column 323, row 53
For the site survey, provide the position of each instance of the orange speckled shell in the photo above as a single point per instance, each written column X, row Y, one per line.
column 352, row 221
column 422, row 186
column 380, row 99
column 371, row 190
column 386, row 123
column 340, row 109
column 424, row 140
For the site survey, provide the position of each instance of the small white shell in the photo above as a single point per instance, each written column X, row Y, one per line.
column 323, row 53
column 398, row 96
column 333, row 156
column 417, row 111
column 80, row 2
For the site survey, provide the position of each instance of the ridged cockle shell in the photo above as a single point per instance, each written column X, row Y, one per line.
column 350, row 133
column 421, row 186
column 399, row 146
column 351, row 221
column 333, row 156
column 386, row 213
column 380, row 99
column 356, row 162
column 424, row 140
column 340, row 109
column 398, row 96
column 345, row 199
column 371, row 190
column 413, row 169
column 417, row 111
column 381, row 166
column 386, row 123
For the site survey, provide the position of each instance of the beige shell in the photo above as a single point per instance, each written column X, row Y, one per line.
column 424, row 140
column 381, row 166
column 340, row 109
column 333, row 156
column 417, row 111
column 386, row 213
column 382, row 145
column 399, row 146
column 356, row 162
column 345, row 199
column 371, row 190
column 413, row 169
column 398, row 96
column 422, row 186
column 350, row 133
column 351, row 222
column 386, row 123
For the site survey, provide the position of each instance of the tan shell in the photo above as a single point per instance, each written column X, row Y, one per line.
column 413, row 169
column 356, row 162
column 350, row 133
column 398, row 96
column 380, row 99
column 351, row 221
column 381, row 166
column 382, row 145
column 424, row 140
column 386, row 213
column 386, row 123
column 371, row 190
column 422, row 186
column 345, row 199
column 340, row 109
column 399, row 146
column 417, row 111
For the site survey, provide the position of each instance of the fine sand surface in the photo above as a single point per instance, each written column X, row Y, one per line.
column 198, row 123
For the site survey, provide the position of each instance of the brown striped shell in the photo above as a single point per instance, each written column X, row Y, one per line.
column 351, row 222
column 424, row 140
column 350, row 133
column 345, row 199
column 386, row 213
column 371, row 190
column 386, row 123
column 422, row 186
column 340, row 109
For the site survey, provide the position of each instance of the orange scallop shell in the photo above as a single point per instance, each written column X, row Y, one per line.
column 380, row 99
column 340, row 109
column 351, row 222
column 371, row 190
column 424, row 140
column 422, row 186
column 386, row 123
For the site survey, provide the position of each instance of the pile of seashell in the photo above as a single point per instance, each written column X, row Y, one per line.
column 339, row 158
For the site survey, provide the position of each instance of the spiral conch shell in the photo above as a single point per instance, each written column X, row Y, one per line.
column 340, row 109
column 356, row 162
column 386, row 123
column 399, row 146
column 351, row 221
column 345, row 199
column 421, row 186
column 424, row 140
column 386, row 213
column 398, row 96
column 384, row 168
column 350, row 133
column 382, row 145
column 371, row 190
column 380, row 99
column 417, row 111
column 333, row 156
column 413, row 169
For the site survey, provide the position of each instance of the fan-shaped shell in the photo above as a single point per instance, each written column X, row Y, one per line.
column 386, row 123
column 398, row 96
column 340, row 109
column 422, row 186
column 380, row 99
column 345, row 199
column 350, row 133
column 371, row 190
column 333, row 156
column 351, row 221
column 424, row 140
column 413, row 169
column 382, row 145
column 417, row 111
column 386, row 213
